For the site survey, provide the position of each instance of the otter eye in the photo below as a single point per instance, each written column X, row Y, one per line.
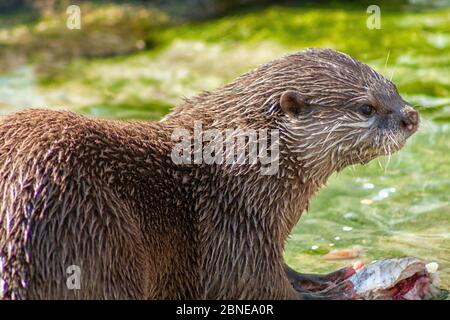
column 366, row 110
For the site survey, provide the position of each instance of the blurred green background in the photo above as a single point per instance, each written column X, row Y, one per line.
column 137, row 59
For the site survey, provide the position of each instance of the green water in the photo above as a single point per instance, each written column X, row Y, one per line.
column 392, row 207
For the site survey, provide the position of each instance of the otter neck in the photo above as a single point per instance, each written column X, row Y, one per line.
column 298, row 188
column 274, row 204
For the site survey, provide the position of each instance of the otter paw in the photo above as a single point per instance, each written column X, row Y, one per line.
column 315, row 283
column 341, row 291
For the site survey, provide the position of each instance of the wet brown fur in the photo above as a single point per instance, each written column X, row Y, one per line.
column 106, row 196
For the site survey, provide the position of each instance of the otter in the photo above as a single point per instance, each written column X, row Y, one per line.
column 107, row 197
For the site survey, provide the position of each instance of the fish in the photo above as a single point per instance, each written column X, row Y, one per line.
column 406, row 278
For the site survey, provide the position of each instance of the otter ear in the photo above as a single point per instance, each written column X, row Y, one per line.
column 291, row 102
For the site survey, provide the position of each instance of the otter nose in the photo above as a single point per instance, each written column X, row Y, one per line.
column 409, row 119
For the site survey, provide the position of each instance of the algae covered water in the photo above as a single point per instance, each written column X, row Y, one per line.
column 392, row 207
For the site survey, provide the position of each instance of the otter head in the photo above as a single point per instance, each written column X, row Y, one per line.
column 335, row 111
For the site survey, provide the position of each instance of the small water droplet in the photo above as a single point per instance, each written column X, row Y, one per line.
column 383, row 193
column 346, row 228
column 314, row 247
column 349, row 215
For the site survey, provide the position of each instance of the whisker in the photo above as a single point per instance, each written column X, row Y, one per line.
column 392, row 74
column 379, row 163
column 388, row 160
column 387, row 58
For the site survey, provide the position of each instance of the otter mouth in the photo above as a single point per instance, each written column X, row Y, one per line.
column 393, row 148
column 378, row 143
column 392, row 142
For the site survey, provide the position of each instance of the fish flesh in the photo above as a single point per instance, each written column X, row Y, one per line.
column 406, row 278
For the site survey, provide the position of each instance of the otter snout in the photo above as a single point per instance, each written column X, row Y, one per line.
column 409, row 119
